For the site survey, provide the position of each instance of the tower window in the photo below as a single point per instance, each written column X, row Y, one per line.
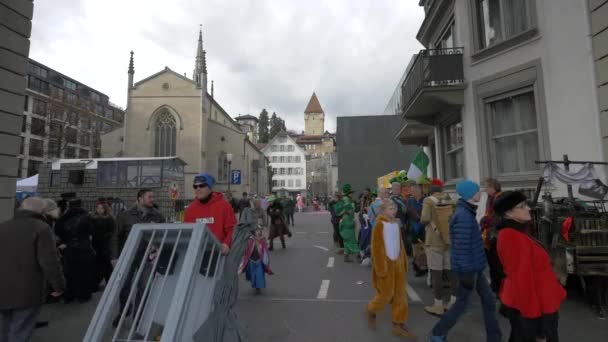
column 165, row 135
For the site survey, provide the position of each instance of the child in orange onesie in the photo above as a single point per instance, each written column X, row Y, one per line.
column 389, row 269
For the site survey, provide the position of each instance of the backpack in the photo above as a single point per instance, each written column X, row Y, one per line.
column 443, row 213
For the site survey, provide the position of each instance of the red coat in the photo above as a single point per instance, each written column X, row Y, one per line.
column 221, row 212
column 530, row 285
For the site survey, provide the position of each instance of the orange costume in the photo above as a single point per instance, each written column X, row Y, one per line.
column 389, row 269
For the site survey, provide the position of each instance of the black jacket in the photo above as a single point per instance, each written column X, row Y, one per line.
column 126, row 220
column 74, row 225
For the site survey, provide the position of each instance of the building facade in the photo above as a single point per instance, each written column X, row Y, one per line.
column 315, row 140
column 288, row 163
column 14, row 51
column 500, row 85
column 362, row 161
column 62, row 118
column 169, row 114
column 249, row 125
column 598, row 13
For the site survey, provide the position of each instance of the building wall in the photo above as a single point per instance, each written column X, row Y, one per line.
column 314, row 123
column 598, row 10
column 278, row 165
column 362, row 160
column 14, row 50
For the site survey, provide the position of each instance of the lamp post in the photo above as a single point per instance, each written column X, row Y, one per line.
column 229, row 159
column 312, row 185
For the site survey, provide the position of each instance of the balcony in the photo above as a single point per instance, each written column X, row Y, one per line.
column 434, row 84
column 414, row 133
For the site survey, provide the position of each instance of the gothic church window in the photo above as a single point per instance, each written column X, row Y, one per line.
column 165, row 139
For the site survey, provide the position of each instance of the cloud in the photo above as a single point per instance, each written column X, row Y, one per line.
column 261, row 54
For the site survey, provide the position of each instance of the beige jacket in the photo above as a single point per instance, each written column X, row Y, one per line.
column 429, row 218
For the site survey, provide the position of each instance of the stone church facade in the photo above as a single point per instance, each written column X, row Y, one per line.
column 169, row 114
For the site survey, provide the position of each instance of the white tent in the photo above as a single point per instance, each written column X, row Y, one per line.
column 28, row 184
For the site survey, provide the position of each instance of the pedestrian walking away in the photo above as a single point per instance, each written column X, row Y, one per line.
column 290, row 207
column 468, row 262
column 29, row 258
column 278, row 227
column 346, row 211
column 243, row 203
column 530, row 293
column 389, row 269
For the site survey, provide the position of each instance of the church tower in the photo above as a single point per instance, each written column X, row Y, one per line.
column 199, row 75
column 314, row 117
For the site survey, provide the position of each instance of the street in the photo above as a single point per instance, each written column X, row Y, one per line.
column 315, row 296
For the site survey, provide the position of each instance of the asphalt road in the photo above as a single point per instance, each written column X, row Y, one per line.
column 315, row 296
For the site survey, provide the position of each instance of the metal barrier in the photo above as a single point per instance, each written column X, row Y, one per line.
column 162, row 287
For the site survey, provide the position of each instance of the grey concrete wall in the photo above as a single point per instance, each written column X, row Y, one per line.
column 598, row 10
column 15, row 28
column 367, row 149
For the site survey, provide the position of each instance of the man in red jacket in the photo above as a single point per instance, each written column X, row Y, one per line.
column 212, row 209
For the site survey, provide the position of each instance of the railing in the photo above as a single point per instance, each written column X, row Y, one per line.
column 162, row 287
column 432, row 68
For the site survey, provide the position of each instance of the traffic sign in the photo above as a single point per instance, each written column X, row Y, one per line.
column 235, row 177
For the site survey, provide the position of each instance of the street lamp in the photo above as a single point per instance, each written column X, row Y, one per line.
column 229, row 159
column 312, row 184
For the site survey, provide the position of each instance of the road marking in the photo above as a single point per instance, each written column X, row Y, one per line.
column 321, row 247
column 301, row 232
column 322, row 232
column 323, row 289
column 330, row 262
column 412, row 294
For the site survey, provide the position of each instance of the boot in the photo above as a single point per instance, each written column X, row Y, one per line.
column 371, row 320
column 401, row 330
column 271, row 245
column 450, row 303
column 435, row 309
column 347, row 258
column 340, row 251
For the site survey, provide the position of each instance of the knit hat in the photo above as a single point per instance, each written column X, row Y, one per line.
column 436, row 185
column 466, row 189
column 347, row 189
column 507, row 201
column 205, row 178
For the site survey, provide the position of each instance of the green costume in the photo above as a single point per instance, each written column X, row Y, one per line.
column 346, row 210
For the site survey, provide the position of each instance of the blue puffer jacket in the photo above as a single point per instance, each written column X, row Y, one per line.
column 467, row 246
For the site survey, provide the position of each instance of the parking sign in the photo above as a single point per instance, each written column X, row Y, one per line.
column 236, row 177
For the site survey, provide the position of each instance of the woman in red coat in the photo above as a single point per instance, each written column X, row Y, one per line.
column 530, row 292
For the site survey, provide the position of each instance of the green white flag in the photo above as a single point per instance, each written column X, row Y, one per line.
column 419, row 166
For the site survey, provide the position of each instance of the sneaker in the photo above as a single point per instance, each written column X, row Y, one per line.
column 451, row 303
column 366, row 262
column 401, row 330
column 435, row 310
column 340, row 251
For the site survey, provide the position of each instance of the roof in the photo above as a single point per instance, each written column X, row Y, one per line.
column 260, row 146
column 246, row 117
column 91, row 163
column 313, row 105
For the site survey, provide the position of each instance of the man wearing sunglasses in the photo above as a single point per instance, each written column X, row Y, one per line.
column 212, row 209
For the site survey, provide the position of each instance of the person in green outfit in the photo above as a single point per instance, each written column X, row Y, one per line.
column 346, row 210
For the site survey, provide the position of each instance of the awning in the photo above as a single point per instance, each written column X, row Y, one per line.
column 28, row 184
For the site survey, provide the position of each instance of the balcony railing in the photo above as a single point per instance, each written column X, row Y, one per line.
column 432, row 69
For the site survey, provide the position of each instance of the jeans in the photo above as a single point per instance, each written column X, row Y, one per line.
column 17, row 325
column 463, row 297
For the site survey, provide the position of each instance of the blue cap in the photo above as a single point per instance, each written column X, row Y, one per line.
column 206, row 179
column 466, row 189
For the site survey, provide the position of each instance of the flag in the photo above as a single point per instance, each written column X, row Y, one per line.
column 419, row 165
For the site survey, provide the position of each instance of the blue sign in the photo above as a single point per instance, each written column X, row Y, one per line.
column 235, row 177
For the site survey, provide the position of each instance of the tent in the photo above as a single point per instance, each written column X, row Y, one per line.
column 28, row 184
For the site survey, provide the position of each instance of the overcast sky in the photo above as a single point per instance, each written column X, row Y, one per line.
column 261, row 54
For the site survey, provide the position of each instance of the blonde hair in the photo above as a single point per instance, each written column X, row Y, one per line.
column 385, row 204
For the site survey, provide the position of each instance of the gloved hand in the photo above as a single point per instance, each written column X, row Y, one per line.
column 467, row 280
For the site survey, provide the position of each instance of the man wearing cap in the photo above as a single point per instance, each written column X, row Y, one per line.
column 468, row 262
column 212, row 209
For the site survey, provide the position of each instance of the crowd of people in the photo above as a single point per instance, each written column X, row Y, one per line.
column 448, row 245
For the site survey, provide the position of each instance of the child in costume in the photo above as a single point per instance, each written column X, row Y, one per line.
column 389, row 269
column 256, row 261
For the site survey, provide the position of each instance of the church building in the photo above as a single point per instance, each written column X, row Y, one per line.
column 169, row 114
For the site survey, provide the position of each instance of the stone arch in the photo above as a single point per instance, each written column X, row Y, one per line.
column 158, row 111
column 165, row 124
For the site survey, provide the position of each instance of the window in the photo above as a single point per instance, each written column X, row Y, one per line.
column 290, row 148
column 298, row 171
column 454, row 151
column 26, row 103
column 39, row 107
column 282, row 159
column 85, row 123
column 222, row 167
column 447, row 40
column 95, row 97
column 38, row 127
column 71, row 98
column 498, row 20
column 99, row 110
column 82, row 153
column 282, row 182
column 290, row 183
column 275, row 159
column 36, row 148
column 298, row 183
column 33, row 166
column 38, row 85
column 282, row 171
column 274, row 148
column 129, row 173
column 73, row 118
column 275, row 183
column 22, row 145
column 38, row 71
column 24, row 124
column 290, row 171
column 514, row 134
column 165, row 135
column 54, row 150
column 70, row 152
column 274, row 170
column 57, row 92
column 70, row 135
column 55, row 178
column 69, row 84
column 282, row 148
column 85, row 139
column 298, row 159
